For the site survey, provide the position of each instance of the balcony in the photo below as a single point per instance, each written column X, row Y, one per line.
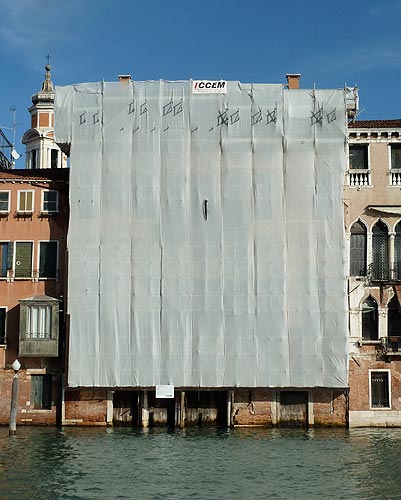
column 395, row 177
column 384, row 273
column 392, row 345
column 359, row 177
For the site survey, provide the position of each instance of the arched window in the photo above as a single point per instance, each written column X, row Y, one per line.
column 380, row 252
column 358, row 250
column 54, row 158
column 394, row 318
column 397, row 252
column 370, row 320
column 33, row 158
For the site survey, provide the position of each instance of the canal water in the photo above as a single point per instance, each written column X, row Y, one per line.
column 202, row 463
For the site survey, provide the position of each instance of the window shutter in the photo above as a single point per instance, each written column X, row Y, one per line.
column 23, row 259
column 10, row 255
column 397, row 251
column 358, row 250
column 380, row 252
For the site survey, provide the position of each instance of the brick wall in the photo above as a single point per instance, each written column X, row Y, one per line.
column 25, row 413
column 330, row 407
column 359, row 382
column 85, row 407
column 252, row 407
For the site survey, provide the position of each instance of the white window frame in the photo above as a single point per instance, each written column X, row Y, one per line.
column 38, row 259
column 15, row 259
column 5, row 325
column 6, row 276
column 8, row 203
column 43, row 210
column 375, row 408
column 361, row 143
column 19, row 201
column 38, row 320
column 390, row 146
column 393, row 172
column 359, row 177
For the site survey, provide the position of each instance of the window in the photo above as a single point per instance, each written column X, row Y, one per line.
column 6, row 257
column 25, row 201
column 380, row 270
column 395, row 156
column 370, row 320
column 358, row 156
column 394, row 318
column 39, row 327
column 39, row 321
column 50, row 201
column 3, row 313
column 358, row 250
column 23, row 259
column 41, row 390
column 54, row 158
column 380, row 389
column 397, row 252
column 48, row 251
column 33, row 159
column 4, row 201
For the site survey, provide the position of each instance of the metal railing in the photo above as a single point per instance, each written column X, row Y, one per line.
column 381, row 272
column 391, row 344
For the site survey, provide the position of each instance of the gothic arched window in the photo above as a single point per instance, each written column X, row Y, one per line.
column 370, row 319
column 394, row 318
column 358, row 250
column 380, row 252
column 397, row 252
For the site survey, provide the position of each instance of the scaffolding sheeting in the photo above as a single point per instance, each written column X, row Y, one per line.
column 206, row 240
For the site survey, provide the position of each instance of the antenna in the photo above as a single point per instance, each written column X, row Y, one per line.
column 14, row 128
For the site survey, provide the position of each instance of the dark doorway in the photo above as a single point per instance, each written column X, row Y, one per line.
column 293, row 409
column 206, row 408
column 125, row 408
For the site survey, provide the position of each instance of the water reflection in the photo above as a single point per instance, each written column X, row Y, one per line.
column 121, row 463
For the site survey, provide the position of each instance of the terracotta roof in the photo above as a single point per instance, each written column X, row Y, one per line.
column 375, row 124
column 42, row 174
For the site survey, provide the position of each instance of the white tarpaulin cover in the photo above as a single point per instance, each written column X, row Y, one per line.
column 206, row 240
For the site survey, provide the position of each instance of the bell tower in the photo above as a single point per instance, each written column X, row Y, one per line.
column 41, row 150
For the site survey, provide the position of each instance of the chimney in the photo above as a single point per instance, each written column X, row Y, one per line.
column 125, row 78
column 293, row 80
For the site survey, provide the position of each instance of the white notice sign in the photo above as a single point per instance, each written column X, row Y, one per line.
column 209, row 87
column 164, row 391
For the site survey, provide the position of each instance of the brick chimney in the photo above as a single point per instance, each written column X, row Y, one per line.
column 124, row 78
column 293, row 80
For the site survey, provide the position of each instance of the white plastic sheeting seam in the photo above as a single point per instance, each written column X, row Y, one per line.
column 206, row 240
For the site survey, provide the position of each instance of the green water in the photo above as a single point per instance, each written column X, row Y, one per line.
column 120, row 463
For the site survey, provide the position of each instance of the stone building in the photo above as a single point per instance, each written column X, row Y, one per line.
column 372, row 199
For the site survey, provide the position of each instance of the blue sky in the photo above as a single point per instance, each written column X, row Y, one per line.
column 330, row 43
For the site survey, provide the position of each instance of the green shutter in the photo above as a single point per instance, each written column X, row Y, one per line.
column 23, row 259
